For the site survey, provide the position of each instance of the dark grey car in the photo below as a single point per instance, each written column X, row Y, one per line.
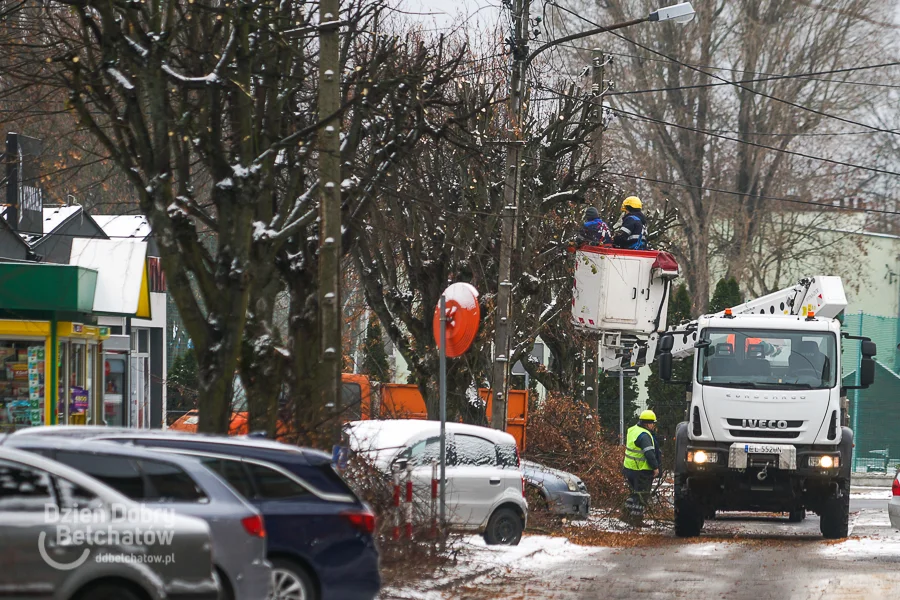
column 184, row 485
column 565, row 494
column 64, row 535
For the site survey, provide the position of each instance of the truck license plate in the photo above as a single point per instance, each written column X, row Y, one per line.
column 761, row 449
column 785, row 455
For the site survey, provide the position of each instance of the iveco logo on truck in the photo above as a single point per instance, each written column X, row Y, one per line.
column 763, row 424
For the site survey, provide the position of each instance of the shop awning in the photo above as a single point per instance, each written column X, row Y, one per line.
column 122, row 286
column 31, row 287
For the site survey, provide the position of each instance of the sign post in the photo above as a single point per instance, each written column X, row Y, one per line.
column 456, row 319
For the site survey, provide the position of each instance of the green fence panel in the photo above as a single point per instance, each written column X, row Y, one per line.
column 874, row 412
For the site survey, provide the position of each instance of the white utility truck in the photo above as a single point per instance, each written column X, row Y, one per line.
column 766, row 412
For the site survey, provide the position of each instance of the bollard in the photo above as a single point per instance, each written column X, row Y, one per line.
column 409, row 503
column 396, row 504
column 434, row 499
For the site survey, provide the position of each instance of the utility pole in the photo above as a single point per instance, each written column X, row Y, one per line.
column 330, row 207
column 591, row 373
column 521, row 59
column 515, row 137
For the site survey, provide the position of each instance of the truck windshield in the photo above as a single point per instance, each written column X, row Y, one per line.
column 767, row 359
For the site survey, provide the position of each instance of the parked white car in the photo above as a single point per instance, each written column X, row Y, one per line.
column 485, row 488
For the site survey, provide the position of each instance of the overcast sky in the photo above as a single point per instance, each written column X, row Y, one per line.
column 443, row 13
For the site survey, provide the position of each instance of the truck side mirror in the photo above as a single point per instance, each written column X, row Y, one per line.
column 665, row 366
column 666, row 343
column 400, row 463
column 867, row 348
column 866, row 371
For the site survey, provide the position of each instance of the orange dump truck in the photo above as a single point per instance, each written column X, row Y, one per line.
column 367, row 400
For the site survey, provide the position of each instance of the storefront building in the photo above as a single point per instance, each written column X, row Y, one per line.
column 52, row 367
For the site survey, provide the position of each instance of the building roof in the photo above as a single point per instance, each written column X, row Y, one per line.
column 55, row 216
column 124, row 226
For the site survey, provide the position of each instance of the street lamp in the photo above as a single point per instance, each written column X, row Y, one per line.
column 680, row 13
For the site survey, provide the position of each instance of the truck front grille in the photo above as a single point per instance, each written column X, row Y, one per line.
column 768, row 434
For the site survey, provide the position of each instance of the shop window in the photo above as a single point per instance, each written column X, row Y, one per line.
column 114, row 370
column 22, row 368
column 143, row 341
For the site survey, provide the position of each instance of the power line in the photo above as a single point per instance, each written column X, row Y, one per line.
column 733, row 70
column 756, row 197
column 739, row 141
column 752, row 91
column 763, row 146
column 762, row 79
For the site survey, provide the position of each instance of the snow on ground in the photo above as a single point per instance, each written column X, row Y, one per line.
column 869, row 546
column 870, row 493
column 480, row 562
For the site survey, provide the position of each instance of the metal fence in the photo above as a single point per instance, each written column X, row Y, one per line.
column 874, row 412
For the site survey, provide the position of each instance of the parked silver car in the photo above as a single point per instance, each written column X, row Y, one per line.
column 564, row 493
column 184, row 485
column 66, row 536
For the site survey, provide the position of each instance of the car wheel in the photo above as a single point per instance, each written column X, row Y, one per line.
column 290, row 581
column 108, row 591
column 504, row 527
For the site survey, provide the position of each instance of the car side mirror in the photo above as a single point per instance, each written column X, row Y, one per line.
column 400, row 463
column 665, row 366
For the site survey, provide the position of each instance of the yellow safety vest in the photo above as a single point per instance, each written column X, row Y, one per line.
column 634, row 456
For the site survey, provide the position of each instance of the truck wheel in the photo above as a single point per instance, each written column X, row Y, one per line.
column 688, row 517
column 835, row 517
column 796, row 516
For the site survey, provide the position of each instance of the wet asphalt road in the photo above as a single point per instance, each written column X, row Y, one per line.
column 738, row 557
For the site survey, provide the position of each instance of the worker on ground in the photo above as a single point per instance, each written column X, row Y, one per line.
column 632, row 233
column 642, row 462
column 595, row 231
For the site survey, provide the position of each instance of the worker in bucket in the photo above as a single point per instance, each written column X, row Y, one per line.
column 595, row 231
column 632, row 233
column 642, row 463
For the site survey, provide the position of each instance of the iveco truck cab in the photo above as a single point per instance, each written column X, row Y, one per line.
column 765, row 424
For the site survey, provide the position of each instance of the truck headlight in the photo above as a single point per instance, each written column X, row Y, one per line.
column 700, row 457
column 826, row 462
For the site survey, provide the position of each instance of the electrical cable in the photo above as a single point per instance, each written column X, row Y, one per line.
column 752, row 91
column 739, row 141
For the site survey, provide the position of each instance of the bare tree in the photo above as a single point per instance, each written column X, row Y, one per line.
column 721, row 103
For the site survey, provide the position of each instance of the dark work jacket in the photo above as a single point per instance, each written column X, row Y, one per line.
column 632, row 234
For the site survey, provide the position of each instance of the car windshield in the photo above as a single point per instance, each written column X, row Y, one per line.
column 767, row 359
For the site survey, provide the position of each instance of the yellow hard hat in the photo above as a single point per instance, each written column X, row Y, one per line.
column 632, row 202
column 648, row 415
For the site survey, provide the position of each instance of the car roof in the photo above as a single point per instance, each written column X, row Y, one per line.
column 102, row 432
column 395, row 432
column 99, row 446
column 66, row 472
column 215, row 487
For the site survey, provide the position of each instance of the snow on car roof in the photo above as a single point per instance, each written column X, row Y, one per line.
column 381, row 440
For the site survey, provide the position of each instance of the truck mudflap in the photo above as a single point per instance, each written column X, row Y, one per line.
column 780, row 456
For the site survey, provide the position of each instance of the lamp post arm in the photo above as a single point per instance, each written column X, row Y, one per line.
column 582, row 34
